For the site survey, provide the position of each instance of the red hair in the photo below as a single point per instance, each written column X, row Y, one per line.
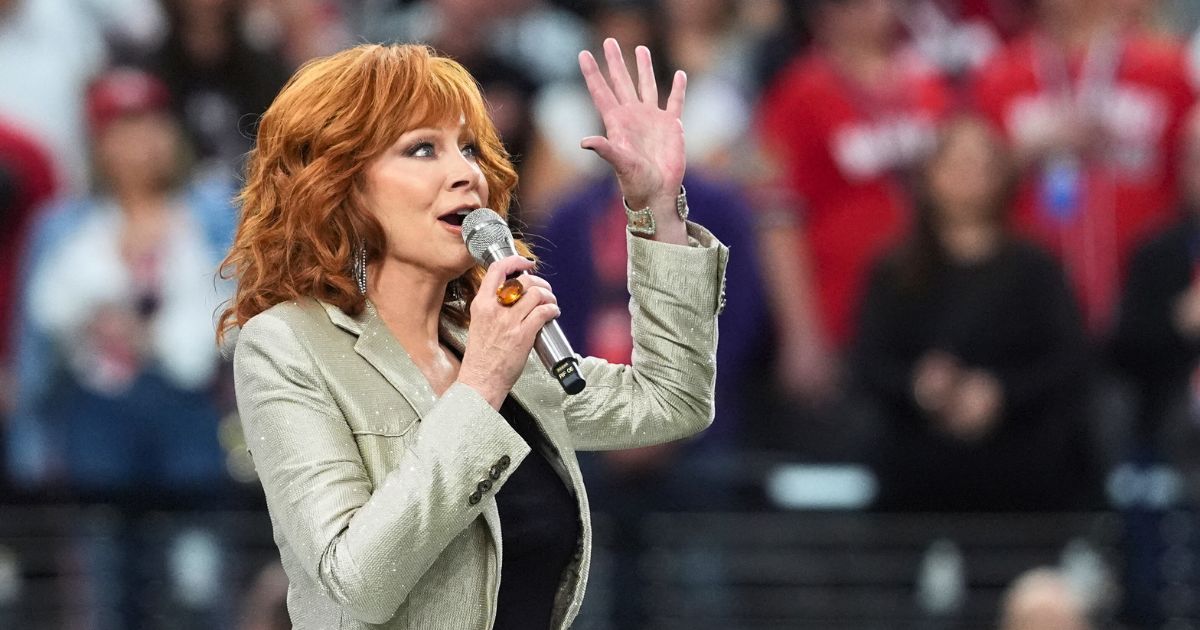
column 303, row 208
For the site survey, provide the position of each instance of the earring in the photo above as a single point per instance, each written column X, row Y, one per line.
column 360, row 267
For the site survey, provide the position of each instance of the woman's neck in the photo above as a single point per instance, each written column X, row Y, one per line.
column 866, row 65
column 969, row 241
column 140, row 203
column 409, row 301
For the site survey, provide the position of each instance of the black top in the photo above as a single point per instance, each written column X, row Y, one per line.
column 539, row 521
column 1147, row 343
column 1011, row 315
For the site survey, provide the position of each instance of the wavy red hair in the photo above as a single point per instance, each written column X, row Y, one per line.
column 302, row 206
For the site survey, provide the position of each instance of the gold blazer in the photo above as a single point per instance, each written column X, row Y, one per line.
column 382, row 495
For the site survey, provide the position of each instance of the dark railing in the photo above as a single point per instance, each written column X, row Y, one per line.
column 74, row 566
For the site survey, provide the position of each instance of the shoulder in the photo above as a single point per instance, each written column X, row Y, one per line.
column 285, row 324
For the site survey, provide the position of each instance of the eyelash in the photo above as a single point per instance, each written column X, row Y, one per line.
column 425, row 144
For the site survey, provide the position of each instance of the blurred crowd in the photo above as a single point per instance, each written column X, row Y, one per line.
column 965, row 234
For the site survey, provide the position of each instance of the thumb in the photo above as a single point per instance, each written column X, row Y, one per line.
column 600, row 145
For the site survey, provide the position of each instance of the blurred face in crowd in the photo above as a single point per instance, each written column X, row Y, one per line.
column 705, row 13
column 471, row 16
column 629, row 24
column 966, row 173
column 860, row 21
column 416, row 189
column 139, row 151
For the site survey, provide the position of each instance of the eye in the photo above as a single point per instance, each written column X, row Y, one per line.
column 422, row 148
column 470, row 149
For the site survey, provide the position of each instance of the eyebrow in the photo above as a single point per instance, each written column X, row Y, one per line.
column 464, row 130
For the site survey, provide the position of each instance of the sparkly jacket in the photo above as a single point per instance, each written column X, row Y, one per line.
column 382, row 495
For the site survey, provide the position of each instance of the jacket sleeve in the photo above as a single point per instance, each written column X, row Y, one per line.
column 366, row 546
column 667, row 394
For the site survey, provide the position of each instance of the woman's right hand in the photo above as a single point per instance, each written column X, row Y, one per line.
column 500, row 337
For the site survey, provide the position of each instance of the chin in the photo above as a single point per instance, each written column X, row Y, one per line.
column 461, row 266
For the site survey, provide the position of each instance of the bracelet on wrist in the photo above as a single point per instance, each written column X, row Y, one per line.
column 641, row 222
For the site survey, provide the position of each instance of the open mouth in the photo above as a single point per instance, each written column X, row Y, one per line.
column 456, row 218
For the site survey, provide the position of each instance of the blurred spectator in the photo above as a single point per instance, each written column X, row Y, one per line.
column 117, row 335
column 51, row 50
column 1157, row 338
column 705, row 39
column 972, row 349
column 533, row 35
column 1042, row 599
column 299, row 29
column 220, row 83
column 841, row 124
column 584, row 257
column 562, row 112
column 1093, row 110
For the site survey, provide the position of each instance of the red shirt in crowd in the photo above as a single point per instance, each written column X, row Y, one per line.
column 841, row 150
column 1135, row 92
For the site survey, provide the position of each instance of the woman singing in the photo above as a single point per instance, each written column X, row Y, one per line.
column 418, row 462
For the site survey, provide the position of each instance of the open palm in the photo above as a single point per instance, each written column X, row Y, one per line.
column 642, row 142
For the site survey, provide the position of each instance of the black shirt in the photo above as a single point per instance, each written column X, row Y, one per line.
column 539, row 521
column 1013, row 316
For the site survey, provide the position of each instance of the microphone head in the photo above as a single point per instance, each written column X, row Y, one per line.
column 482, row 230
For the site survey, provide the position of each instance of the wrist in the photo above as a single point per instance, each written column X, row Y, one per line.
column 661, row 217
column 489, row 394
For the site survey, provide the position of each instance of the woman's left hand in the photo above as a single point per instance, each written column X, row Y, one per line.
column 642, row 142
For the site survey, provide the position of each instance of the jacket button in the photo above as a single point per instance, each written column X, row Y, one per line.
column 504, row 462
column 474, row 498
column 484, row 485
column 494, row 472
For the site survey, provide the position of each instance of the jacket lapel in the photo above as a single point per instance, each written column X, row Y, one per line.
column 380, row 349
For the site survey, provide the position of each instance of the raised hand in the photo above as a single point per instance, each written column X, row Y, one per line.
column 642, row 142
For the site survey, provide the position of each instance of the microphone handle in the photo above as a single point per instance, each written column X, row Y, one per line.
column 555, row 352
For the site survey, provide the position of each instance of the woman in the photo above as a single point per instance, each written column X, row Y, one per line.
column 121, row 294
column 419, row 467
column 972, row 347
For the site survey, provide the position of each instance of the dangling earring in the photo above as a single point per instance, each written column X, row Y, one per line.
column 360, row 267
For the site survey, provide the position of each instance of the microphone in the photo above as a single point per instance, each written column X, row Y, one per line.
column 488, row 239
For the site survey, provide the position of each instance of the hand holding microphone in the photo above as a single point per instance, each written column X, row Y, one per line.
column 513, row 311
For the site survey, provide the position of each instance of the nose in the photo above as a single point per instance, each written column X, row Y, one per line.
column 464, row 173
